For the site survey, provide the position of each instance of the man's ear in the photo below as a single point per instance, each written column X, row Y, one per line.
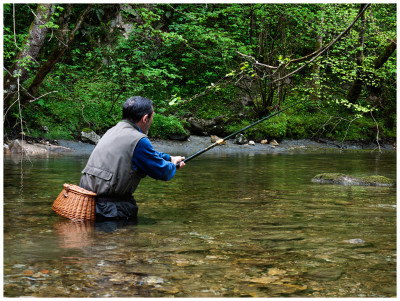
column 145, row 118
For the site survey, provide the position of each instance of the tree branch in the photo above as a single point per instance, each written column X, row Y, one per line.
column 256, row 62
column 324, row 49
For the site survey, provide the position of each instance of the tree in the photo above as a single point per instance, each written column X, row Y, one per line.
column 26, row 58
column 355, row 89
column 65, row 39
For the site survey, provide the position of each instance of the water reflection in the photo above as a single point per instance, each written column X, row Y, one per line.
column 72, row 234
column 80, row 234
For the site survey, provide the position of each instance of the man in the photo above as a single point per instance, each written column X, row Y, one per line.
column 122, row 157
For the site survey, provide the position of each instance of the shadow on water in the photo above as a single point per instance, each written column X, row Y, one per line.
column 225, row 226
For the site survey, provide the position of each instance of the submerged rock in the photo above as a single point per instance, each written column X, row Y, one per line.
column 355, row 241
column 338, row 178
column 152, row 280
column 329, row 274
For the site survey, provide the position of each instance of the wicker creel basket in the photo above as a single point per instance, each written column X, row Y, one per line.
column 75, row 203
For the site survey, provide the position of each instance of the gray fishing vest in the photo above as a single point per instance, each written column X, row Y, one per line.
column 109, row 170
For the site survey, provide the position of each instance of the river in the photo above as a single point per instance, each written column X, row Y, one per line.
column 227, row 225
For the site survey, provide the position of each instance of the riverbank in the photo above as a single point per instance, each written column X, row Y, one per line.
column 196, row 143
column 192, row 145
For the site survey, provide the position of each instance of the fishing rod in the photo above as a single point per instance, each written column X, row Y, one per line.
column 234, row 134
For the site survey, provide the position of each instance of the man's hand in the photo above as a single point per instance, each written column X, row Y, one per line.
column 177, row 159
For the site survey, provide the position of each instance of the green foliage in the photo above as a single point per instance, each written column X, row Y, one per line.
column 164, row 127
column 185, row 57
column 74, row 107
column 274, row 128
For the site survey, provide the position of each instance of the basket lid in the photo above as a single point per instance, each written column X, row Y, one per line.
column 77, row 189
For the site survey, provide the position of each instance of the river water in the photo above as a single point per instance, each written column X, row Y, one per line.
column 225, row 226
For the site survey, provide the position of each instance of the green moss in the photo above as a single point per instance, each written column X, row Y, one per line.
column 339, row 178
column 378, row 180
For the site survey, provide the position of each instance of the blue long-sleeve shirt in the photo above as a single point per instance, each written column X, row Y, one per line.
column 155, row 164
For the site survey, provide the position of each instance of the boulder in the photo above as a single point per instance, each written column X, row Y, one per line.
column 196, row 126
column 241, row 139
column 31, row 149
column 15, row 146
column 219, row 120
column 204, row 127
column 215, row 138
column 179, row 137
column 273, row 142
column 217, row 130
column 91, row 137
column 251, row 142
column 264, row 141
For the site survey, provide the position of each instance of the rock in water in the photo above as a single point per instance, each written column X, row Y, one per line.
column 338, row 178
column 326, row 274
column 16, row 146
column 21, row 147
column 355, row 241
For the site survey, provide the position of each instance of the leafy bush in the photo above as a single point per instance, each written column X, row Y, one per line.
column 274, row 128
column 163, row 127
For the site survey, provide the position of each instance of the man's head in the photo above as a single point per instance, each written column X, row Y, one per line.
column 138, row 110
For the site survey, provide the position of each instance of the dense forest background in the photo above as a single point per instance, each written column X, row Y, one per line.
column 69, row 67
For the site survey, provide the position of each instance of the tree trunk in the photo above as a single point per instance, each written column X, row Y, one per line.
column 317, row 67
column 378, row 63
column 357, row 85
column 29, row 51
column 65, row 40
column 380, row 60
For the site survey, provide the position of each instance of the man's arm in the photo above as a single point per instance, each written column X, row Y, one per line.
column 157, row 165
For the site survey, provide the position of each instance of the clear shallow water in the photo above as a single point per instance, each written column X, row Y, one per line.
column 225, row 226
